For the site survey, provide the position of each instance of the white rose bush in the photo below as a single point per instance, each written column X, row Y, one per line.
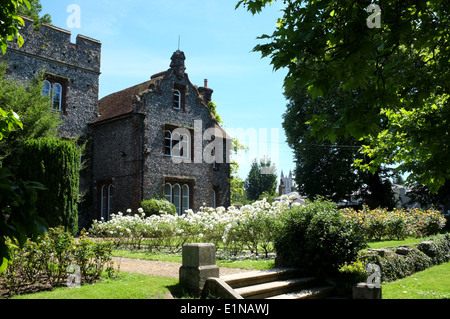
column 250, row 227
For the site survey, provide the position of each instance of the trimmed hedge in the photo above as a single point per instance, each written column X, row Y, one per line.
column 156, row 206
column 317, row 239
column 397, row 263
column 56, row 165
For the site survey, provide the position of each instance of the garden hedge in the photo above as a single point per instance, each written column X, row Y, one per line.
column 56, row 165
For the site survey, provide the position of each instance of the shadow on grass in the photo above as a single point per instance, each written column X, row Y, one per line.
column 179, row 292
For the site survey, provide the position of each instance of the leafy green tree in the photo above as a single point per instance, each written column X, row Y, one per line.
column 26, row 100
column 327, row 168
column 261, row 178
column 34, row 12
column 11, row 22
column 397, row 71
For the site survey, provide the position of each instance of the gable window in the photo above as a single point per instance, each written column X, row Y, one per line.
column 178, row 193
column 177, row 100
column 179, row 97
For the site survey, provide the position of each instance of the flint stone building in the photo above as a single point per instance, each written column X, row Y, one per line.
column 156, row 139
column 134, row 138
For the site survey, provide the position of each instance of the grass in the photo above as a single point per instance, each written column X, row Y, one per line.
column 396, row 243
column 230, row 262
column 432, row 283
column 125, row 286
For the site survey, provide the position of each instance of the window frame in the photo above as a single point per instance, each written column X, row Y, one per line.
column 185, row 198
column 63, row 82
column 175, row 144
column 179, row 97
column 105, row 199
column 59, row 99
column 176, row 99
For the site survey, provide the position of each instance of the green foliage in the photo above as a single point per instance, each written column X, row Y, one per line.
column 156, row 206
column 261, row 178
column 25, row 99
column 317, row 239
column 34, row 12
column 56, row 165
column 19, row 218
column 11, row 22
column 420, row 257
column 9, row 122
column 391, row 79
column 213, row 107
column 45, row 261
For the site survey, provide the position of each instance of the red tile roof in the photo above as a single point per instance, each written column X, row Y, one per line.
column 119, row 103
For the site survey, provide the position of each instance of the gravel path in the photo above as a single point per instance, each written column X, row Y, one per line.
column 160, row 268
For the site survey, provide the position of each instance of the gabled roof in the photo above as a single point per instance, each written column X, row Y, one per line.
column 120, row 103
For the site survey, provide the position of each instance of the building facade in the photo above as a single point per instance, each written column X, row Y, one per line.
column 167, row 144
column 150, row 140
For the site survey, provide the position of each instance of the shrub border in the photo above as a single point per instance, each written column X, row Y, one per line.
column 402, row 261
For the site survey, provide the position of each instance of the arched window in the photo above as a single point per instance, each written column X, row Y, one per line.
column 177, row 198
column 57, row 97
column 185, row 198
column 47, row 89
column 110, row 194
column 168, row 143
column 105, row 199
column 168, row 192
column 181, row 145
column 177, row 100
column 184, row 146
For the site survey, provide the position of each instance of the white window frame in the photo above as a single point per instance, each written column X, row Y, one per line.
column 47, row 88
column 185, row 197
column 177, row 198
column 177, row 99
column 179, row 195
column 166, row 139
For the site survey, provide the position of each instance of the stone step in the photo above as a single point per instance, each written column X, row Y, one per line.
column 308, row 293
column 259, row 277
column 273, row 288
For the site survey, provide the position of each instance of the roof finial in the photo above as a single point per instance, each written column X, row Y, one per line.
column 179, row 40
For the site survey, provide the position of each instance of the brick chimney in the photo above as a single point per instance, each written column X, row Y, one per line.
column 205, row 92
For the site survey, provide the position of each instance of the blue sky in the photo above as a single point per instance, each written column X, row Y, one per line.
column 138, row 38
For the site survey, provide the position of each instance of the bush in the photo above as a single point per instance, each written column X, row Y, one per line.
column 419, row 257
column 56, row 165
column 156, row 206
column 43, row 264
column 317, row 239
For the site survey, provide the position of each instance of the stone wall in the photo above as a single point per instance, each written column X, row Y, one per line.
column 157, row 105
column 118, row 158
column 50, row 50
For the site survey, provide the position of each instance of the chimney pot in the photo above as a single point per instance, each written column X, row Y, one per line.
column 206, row 83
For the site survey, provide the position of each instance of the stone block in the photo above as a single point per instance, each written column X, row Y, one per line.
column 366, row 291
column 199, row 264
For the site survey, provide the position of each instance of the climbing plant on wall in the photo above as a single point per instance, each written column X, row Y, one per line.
column 55, row 164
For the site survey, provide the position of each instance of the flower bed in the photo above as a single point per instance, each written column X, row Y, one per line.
column 252, row 227
column 396, row 224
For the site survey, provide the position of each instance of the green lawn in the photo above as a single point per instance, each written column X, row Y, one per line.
column 432, row 283
column 243, row 263
column 126, row 286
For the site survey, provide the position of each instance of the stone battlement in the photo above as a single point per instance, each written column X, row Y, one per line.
column 53, row 43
